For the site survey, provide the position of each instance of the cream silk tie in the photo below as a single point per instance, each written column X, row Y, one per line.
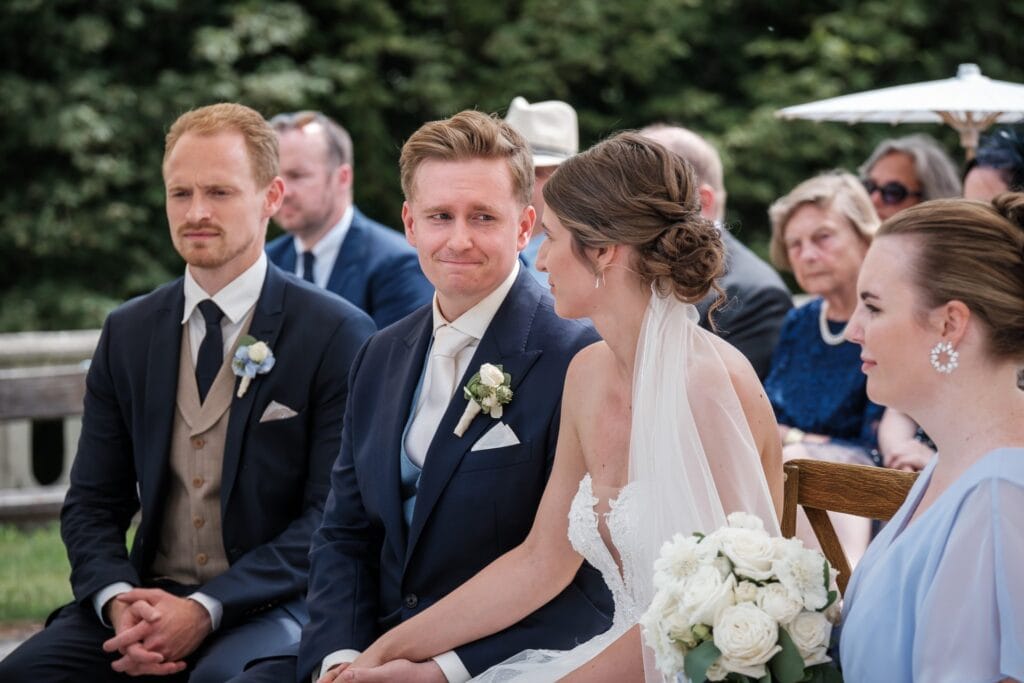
column 436, row 392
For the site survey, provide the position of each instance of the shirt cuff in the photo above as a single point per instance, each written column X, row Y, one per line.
column 452, row 667
column 212, row 605
column 335, row 658
column 105, row 595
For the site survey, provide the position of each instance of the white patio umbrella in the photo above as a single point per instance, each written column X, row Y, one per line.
column 970, row 103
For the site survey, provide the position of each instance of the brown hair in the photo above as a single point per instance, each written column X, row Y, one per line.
column 972, row 252
column 336, row 138
column 260, row 140
column 469, row 135
column 839, row 191
column 631, row 190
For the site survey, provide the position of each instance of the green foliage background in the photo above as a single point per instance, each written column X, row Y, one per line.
column 89, row 89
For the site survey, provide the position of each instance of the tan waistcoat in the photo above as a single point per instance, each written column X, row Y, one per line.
column 191, row 544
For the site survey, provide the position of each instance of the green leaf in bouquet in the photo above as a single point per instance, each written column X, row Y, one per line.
column 246, row 340
column 767, row 678
column 787, row 666
column 699, row 659
column 832, row 597
column 825, row 673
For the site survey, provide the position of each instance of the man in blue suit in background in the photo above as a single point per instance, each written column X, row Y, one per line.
column 419, row 505
column 228, row 467
column 330, row 242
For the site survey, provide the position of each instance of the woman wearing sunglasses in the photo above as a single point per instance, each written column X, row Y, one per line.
column 905, row 171
column 820, row 232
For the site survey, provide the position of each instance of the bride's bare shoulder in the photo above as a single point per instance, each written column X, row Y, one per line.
column 588, row 367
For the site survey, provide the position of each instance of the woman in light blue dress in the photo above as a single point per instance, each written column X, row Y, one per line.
column 939, row 595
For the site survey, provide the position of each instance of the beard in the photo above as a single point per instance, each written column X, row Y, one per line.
column 212, row 251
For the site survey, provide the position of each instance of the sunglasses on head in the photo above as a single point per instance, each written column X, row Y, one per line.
column 892, row 192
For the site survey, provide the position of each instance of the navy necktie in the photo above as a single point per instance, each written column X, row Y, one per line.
column 211, row 350
column 307, row 266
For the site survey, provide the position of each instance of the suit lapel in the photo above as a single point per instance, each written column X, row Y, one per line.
column 288, row 257
column 349, row 266
column 503, row 344
column 404, row 366
column 161, row 392
column 265, row 327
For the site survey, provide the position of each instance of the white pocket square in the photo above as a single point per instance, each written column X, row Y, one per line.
column 498, row 436
column 277, row 411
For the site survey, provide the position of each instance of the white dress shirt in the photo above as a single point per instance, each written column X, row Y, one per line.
column 473, row 323
column 325, row 252
column 236, row 299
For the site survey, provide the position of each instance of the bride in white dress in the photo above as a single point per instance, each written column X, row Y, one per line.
column 665, row 428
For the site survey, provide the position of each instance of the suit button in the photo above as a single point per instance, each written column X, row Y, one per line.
column 201, row 559
column 198, row 522
column 411, row 601
column 197, row 482
column 198, row 442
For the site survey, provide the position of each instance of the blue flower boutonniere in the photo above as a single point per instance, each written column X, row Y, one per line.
column 251, row 358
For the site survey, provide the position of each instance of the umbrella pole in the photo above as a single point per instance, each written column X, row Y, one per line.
column 969, row 129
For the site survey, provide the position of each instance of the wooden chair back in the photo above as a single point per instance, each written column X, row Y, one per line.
column 819, row 487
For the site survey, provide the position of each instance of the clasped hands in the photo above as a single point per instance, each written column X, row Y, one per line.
column 370, row 668
column 155, row 631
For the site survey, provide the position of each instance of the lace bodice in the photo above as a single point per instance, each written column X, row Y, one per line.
column 586, row 538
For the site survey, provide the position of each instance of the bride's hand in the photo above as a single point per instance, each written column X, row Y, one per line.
column 396, row 670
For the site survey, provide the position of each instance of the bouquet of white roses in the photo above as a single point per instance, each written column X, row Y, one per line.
column 740, row 605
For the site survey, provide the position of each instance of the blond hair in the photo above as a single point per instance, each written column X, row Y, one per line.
column 836, row 191
column 260, row 140
column 469, row 135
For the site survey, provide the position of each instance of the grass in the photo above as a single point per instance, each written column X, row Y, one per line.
column 34, row 573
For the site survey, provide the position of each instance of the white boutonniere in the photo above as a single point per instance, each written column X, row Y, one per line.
column 251, row 358
column 488, row 390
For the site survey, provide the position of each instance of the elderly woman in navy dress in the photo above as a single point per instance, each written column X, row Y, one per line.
column 938, row 596
column 821, row 231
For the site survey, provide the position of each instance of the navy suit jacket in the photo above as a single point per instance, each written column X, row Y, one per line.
column 275, row 474
column 756, row 305
column 376, row 270
column 369, row 571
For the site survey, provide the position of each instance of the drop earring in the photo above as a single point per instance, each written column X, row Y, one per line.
column 953, row 357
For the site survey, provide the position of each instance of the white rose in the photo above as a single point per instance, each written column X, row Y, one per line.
column 811, row 632
column 751, row 552
column 745, row 520
column 657, row 625
column 258, row 352
column 491, row 375
column 802, row 572
column 747, row 639
column 705, row 594
column 746, row 591
column 778, row 602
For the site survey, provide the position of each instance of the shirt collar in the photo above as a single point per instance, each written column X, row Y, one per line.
column 329, row 244
column 475, row 321
column 235, row 299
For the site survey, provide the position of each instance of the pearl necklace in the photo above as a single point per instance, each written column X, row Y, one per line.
column 827, row 336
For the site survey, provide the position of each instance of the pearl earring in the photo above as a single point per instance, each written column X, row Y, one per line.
column 944, row 347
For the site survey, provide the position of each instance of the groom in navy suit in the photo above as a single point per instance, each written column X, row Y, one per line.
column 415, row 509
column 229, row 475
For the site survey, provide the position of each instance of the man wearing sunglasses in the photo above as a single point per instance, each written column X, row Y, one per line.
column 905, row 171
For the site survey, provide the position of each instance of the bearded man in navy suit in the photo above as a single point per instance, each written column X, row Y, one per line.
column 229, row 472
column 330, row 242
column 420, row 503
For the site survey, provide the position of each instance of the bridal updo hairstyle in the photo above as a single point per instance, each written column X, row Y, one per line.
column 973, row 252
column 632, row 191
